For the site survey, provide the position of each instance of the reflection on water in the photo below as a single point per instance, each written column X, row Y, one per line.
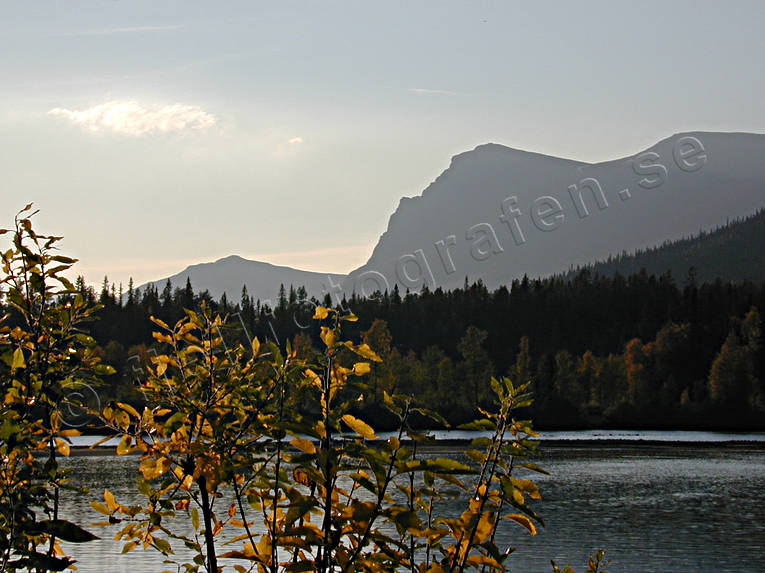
column 654, row 508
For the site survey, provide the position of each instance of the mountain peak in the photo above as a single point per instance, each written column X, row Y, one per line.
column 505, row 153
column 497, row 213
column 233, row 259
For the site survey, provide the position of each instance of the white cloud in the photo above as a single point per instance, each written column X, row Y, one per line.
column 133, row 118
column 296, row 140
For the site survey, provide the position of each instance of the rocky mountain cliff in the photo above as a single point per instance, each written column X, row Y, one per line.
column 498, row 213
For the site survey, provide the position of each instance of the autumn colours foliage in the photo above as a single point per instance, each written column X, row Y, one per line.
column 262, row 441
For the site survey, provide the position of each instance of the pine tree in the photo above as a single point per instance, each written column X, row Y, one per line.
column 131, row 294
column 282, row 300
column 188, row 295
column 167, row 297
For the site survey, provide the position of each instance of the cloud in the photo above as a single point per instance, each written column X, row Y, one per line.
column 296, row 140
column 431, row 92
column 133, row 118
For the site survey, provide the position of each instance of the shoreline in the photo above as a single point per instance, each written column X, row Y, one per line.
column 602, row 443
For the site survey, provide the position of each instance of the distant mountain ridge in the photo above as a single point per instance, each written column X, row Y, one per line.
column 733, row 252
column 263, row 280
column 498, row 213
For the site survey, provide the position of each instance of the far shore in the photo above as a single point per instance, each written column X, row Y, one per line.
column 615, row 443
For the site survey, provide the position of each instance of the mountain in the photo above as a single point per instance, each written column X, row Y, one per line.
column 498, row 213
column 735, row 252
column 262, row 279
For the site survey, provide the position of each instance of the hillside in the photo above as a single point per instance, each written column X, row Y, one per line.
column 733, row 252
column 498, row 213
column 263, row 280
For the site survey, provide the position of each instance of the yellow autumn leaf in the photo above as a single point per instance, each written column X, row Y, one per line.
column 129, row 409
column 360, row 427
column 304, row 445
column 100, row 507
column 161, row 337
column 62, row 447
column 148, row 469
column 484, row 527
column 124, row 446
column 129, row 546
column 320, row 313
column 361, row 368
column 264, row 548
column 328, row 336
column 523, row 521
column 187, row 483
column 527, row 486
column 70, row 433
column 364, row 350
column 111, row 503
column 484, row 560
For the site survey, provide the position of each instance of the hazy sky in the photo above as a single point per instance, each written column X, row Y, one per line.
column 153, row 135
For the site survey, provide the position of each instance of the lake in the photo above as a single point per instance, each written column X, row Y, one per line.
column 655, row 507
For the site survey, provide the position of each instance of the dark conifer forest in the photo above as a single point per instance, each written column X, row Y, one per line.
column 735, row 251
column 641, row 351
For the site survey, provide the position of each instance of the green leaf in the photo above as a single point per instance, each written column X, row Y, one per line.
column 103, row 369
column 144, row 487
column 65, row 260
column 162, row 545
column 535, row 468
column 483, row 424
column 447, row 465
column 475, row 455
column 18, row 359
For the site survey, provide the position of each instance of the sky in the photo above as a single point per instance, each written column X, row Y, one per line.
column 154, row 135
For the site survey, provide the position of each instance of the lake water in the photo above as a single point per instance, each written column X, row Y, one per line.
column 654, row 508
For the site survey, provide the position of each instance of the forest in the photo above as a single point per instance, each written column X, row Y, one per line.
column 640, row 351
column 734, row 250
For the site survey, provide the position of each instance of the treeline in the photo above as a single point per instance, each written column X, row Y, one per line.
column 637, row 351
column 735, row 250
